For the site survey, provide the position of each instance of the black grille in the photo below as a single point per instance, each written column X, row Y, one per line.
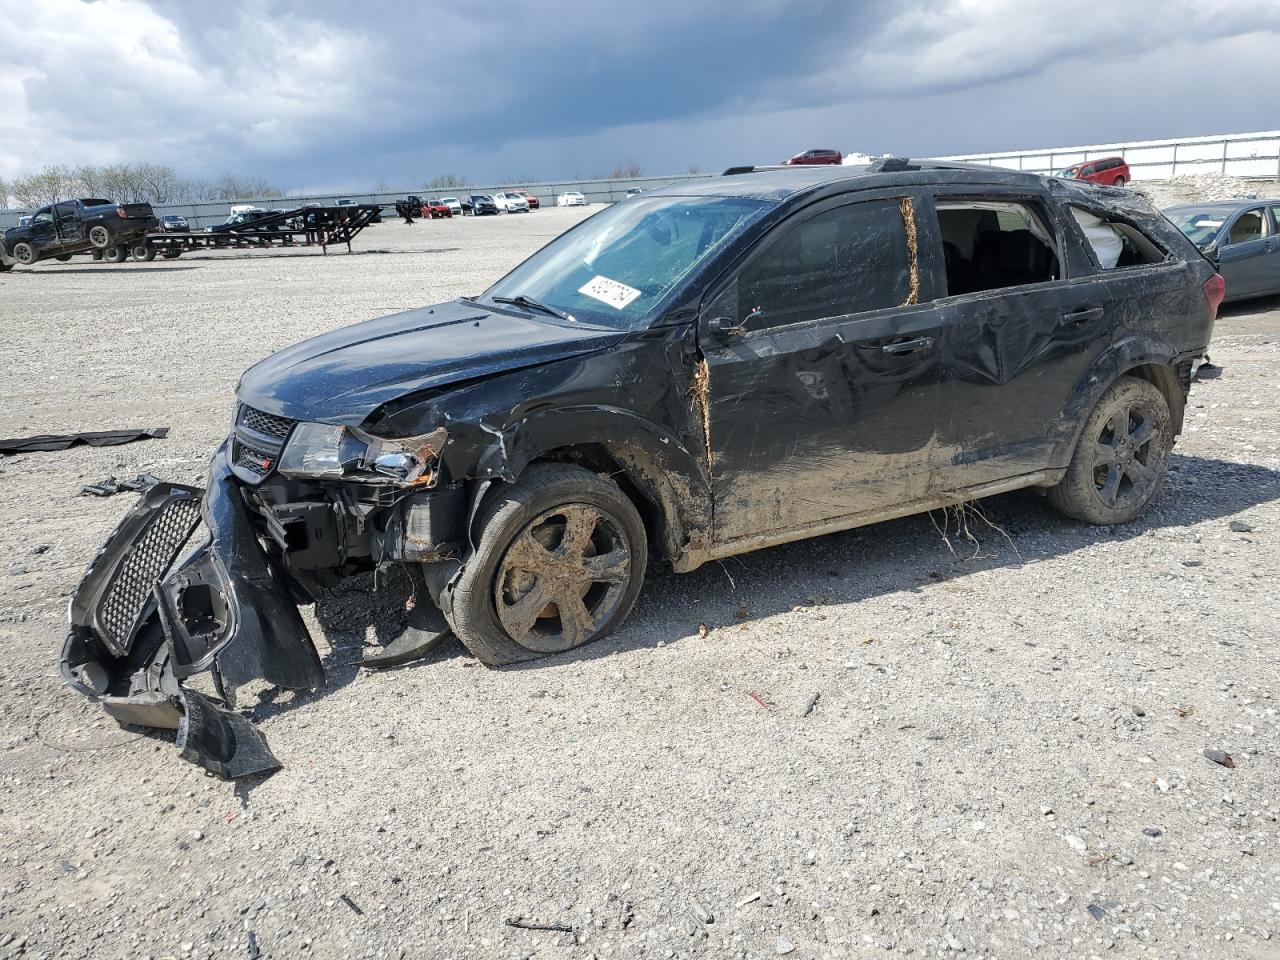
column 265, row 423
column 129, row 592
column 254, row 461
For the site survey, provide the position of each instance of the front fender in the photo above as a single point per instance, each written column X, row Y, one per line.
column 1124, row 355
column 654, row 458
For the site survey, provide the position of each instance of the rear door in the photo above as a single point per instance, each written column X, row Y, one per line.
column 1245, row 250
column 1271, row 267
column 1023, row 318
column 69, row 225
column 822, row 403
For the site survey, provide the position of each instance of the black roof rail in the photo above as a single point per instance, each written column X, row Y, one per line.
column 893, row 165
column 734, row 171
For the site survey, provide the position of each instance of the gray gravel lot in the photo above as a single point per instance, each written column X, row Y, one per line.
column 1004, row 759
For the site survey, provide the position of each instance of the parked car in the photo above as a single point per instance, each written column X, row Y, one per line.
column 243, row 218
column 454, row 205
column 24, row 221
column 511, row 202
column 1241, row 236
column 632, row 192
column 172, row 223
column 534, row 202
column 812, row 158
column 480, row 204
column 1109, row 171
column 718, row 366
column 435, row 209
column 571, row 198
column 77, row 226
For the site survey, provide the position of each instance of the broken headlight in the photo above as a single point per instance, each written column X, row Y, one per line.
column 326, row 451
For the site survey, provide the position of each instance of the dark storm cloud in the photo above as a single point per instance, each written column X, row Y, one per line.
column 342, row 94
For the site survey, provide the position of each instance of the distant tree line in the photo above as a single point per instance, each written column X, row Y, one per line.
column 157, row 183
column 128, row 183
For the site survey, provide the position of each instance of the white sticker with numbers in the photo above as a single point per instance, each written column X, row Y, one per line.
column 615, row 294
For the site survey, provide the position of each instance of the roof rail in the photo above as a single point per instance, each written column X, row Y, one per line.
column 735, row 171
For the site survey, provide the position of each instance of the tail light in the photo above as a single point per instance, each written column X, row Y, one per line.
column 1215, row 288
column 121, row 214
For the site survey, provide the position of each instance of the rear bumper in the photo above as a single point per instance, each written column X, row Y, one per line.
column 140, row 624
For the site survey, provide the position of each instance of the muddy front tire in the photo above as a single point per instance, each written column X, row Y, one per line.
column 559, row 563
column 24, row 253
column 1120, row 459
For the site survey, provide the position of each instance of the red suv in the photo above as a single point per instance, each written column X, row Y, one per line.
column 812, row 157
column 533, row 201
column 1110, row 171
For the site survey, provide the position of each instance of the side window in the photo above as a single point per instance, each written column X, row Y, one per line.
column 989, row 244
column 1088, row 171
column 1250, row 225
column 1275, row 215
column 847, row 260
column 1116, row 243
column 43, row 216
column 66, row 211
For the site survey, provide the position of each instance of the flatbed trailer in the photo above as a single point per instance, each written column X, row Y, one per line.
column 301, row 227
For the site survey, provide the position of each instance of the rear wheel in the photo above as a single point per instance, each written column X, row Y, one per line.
column 99, row 236
column 143, row 252
column 24, row 253
column 560, row 563
column 1121, row 456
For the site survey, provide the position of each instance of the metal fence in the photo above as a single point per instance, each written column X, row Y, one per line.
column 1232, row 155
column 201, row 215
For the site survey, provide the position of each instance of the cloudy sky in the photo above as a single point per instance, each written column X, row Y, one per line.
column 314, row 94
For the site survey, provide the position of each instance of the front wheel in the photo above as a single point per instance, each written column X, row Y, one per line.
column 560, row 562
column 1118, row 182
column 1120, row 459
column 99, row 236
column 24, row 253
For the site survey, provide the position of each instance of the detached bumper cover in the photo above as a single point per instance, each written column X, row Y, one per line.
column 139, row 625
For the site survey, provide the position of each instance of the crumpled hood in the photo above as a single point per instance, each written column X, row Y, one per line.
column 344, row 376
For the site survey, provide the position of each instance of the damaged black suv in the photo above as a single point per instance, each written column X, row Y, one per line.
column 708, row 369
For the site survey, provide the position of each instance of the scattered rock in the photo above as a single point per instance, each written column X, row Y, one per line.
column 1096, row 911
column 1152, row 831
column 1220, row 757
column 1139, row 711
column 784, row 946
column 1239, row 526
column 702, row 913
column 1075, row 843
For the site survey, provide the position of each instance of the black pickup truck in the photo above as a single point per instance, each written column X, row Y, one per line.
column 78, row 226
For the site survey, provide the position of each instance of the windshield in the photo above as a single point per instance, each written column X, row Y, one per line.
column 616, row 266
column 1200, row 226
column 1069, row 173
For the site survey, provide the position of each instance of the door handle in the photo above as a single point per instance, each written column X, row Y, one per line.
column 908, row 346
column 1083, row 315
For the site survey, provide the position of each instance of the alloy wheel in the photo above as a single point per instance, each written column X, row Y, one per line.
column 562, row 578
column 1125, row 459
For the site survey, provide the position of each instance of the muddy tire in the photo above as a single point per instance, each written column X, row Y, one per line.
column 142, row 252
column 560, row 563
column 1118, row 182
column 1120, row 459
column 24, row 253
column 63, row 258
column 115, row 254
column 100, row 236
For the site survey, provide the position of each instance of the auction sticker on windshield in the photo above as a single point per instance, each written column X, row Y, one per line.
column 615, row 294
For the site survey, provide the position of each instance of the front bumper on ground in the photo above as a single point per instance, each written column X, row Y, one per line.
column 140, row 625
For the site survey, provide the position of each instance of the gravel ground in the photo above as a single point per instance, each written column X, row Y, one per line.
column 1005, row 757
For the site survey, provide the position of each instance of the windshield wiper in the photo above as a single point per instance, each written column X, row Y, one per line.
column 531, row 304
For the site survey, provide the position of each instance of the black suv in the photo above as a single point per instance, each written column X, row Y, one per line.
column 710, row 368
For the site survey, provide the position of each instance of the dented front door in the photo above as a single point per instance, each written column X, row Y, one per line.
column 821, row 372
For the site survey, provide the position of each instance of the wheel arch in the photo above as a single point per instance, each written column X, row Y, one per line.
column 650, row 464
column 1145, row 357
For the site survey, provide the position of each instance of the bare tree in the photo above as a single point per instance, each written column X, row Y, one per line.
column 4, row 194
column 50, row 185
column 446, row 181
column 694, row 169
column 628, row 169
